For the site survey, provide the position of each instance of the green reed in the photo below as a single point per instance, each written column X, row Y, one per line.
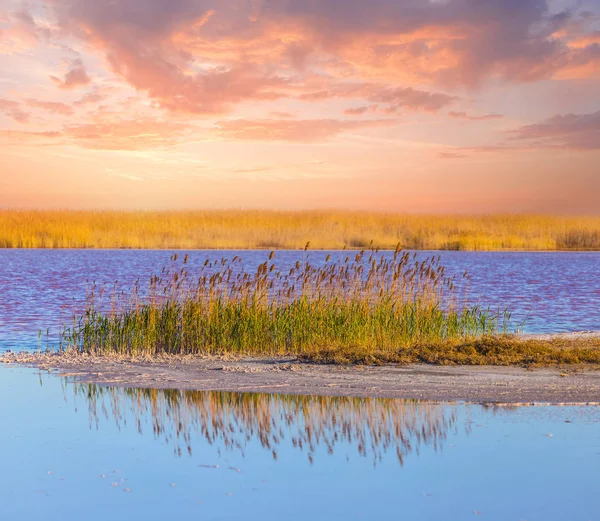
column 368, row 300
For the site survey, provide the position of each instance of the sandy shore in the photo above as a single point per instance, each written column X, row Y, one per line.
column 571, row 337
column 286, row 375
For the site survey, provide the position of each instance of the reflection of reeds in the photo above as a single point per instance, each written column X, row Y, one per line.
column 372, row 426
column 365, row 301
column 290, row 230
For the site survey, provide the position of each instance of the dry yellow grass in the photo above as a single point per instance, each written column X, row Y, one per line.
column 497, row 350
column 291, row 230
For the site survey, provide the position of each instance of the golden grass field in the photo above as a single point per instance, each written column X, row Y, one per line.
column 238, row 229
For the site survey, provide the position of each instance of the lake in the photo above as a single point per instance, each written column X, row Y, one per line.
column 40, row 289
column 74, row 451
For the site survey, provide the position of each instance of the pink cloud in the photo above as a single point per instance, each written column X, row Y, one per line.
column 75, row 77
column 13, row 110
column 464, row 115
column 213, row 91
column 190, row 56
column 412, row 99
column 568, row 131
column 358, row 111
column 50, row 106
column 454, row 42
column 396, row 98
column 451, row 155
column 90, row 97
column 573, row 132
column 18, row 32
column 195, row 58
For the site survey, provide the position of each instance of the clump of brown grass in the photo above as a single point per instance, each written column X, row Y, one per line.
column 500, row 350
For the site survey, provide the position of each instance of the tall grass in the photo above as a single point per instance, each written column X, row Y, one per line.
column 291, row 230
column 365, row 301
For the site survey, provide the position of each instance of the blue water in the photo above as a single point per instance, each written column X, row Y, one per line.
column 40, row 289
column 70, row 451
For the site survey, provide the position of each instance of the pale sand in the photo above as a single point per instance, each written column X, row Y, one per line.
column 510, row 385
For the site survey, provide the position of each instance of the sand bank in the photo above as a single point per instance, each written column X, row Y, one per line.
column 289, row 376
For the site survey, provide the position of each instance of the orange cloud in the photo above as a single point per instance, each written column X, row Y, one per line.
column 305, row 131
column 583, row 41
column 464, row 115
column 202, row 59
column 258, row 71
column 126, row 134
column 581, row 63
column 21, row 137
column 106, row 134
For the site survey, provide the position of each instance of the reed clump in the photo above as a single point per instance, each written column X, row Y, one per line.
column 367, row 302
column 229, row 229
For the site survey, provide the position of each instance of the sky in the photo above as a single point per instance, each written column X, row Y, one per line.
column 428, row 106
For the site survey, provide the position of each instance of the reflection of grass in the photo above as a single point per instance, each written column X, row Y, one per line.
column 325, row 230
column 373, row 426
column 366, row 302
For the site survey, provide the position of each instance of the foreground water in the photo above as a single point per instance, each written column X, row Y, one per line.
column 73, row 451
column 40, row 289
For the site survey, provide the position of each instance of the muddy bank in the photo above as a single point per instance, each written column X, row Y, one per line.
column 288, row 376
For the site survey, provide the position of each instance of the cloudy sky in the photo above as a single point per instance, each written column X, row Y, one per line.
column 395, row 105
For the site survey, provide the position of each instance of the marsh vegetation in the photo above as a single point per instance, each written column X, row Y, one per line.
column 291, row 230
column 363, row 307
column 366, row 301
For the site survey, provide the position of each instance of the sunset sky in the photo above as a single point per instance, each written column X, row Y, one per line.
column 395, row 105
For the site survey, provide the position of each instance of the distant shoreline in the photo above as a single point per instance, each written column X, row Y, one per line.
column 268, row 250
column 295, row 230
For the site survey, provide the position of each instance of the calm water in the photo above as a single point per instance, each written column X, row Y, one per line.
column 76, row 452
column 39, row 289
